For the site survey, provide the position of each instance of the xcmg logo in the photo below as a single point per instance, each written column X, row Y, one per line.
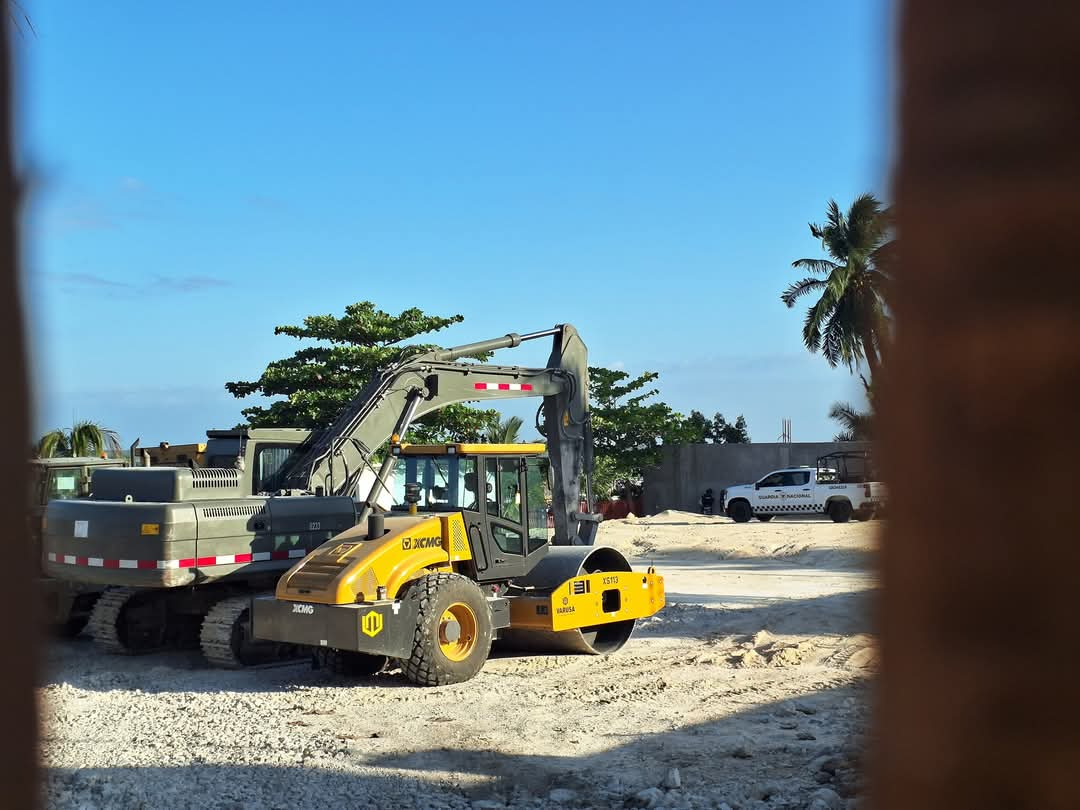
column 420, row 542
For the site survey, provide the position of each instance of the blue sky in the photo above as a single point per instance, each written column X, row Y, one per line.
column 201, row 172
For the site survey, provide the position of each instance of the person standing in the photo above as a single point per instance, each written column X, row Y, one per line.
column 707, row 501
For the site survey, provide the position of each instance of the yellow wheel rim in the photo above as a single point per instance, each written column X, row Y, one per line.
column 457, row 631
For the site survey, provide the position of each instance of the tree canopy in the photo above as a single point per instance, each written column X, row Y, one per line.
column 629, row 430
column 849, row 321
column 717, row 430
column 341, row 354
column 85, row 438
column 507, row 431
column 855, row 425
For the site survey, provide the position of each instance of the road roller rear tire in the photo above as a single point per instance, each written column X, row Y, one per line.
column 452, row 638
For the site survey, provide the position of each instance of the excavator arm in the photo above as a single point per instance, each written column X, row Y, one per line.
column 426, row 382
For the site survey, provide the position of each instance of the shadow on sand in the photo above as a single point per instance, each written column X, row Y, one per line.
column 719, row 760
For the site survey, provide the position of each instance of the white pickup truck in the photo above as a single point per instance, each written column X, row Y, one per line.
column 803, row 491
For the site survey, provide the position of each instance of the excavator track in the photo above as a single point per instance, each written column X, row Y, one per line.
column 115, row 630
column 226, row 642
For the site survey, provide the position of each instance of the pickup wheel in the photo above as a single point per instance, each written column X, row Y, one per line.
column 764, row 518
column 840, row 511
column 740, row 512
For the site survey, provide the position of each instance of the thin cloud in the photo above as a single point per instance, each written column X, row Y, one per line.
column 85, row 215
column 158, row 284
column 189, row 283
column 87, row 280
column 128, row 199
column 265, row 202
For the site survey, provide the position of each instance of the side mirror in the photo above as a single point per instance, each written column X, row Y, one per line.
column 757, row 485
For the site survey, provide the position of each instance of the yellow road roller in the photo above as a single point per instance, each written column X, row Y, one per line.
column 466, row 556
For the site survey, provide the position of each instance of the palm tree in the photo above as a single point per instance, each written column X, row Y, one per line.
column 505, row 432
column 849, row 321
column 857, row 426
column 84, row 439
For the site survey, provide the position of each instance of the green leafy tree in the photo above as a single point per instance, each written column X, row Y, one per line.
column 699, row 427
column 507, row 431
column 629, row 431
column 717, row 430
column 85, row 438
column 855, row 425
column 848, row 323
column 320, row 378
column 608, row 478
column 724, row 432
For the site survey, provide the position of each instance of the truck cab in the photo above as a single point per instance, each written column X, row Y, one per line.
column 62, row 479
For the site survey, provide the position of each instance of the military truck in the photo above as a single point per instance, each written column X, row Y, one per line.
column 67, row 604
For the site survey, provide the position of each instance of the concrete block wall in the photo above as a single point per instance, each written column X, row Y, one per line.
column 687, row 470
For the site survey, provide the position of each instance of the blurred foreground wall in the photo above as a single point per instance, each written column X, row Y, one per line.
column 981, row 558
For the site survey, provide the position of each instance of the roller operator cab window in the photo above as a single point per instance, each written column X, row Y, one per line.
column 537, row 498
column 492, row 484
column 447, row 483
column 509, row 490
column 507, row 539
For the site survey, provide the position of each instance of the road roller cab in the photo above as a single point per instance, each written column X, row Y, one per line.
column 463, row 558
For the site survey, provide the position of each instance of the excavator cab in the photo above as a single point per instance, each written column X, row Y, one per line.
column 500, row 490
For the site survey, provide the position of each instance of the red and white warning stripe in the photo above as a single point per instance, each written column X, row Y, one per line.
column 191, row 562
column 486, row 386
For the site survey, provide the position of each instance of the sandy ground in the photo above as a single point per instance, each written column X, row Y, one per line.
column 752, row 683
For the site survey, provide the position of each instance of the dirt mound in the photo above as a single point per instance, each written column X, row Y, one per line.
column 689, row 536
